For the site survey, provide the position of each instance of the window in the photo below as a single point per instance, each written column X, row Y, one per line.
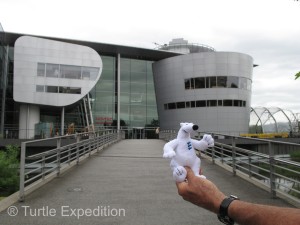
column 211, row 103
column 70, row 90
column 221, row 81
column 193, row 104
column 212, row 82
column 187, row 104
column 52, row 89
column 41, row 69
column 199, row 82
column 187, row 83
column 205, row 103
column 180, row 105
column 227, row 102
column 201, row 103
column 232, row 82
column 243, row 83
column 70, row 72
column 52, row 70
column 40, row 88
column 172, row 106
column 89, row 73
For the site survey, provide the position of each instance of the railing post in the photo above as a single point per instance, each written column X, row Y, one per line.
column 77, row 148
column 43, row 167
column 222, row 154
column 249, row 166
column 233, row 156
column 58, row 145
column 22, row 172
column 272, row 170
column 213, row 152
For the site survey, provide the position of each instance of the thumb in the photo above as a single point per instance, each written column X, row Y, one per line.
column 190, row 174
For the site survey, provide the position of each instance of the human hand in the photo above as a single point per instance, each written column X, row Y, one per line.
column 200, row 192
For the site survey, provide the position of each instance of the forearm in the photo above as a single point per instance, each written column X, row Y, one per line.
column 247, row 214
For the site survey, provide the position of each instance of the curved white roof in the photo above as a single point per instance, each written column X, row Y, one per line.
column 48, row 72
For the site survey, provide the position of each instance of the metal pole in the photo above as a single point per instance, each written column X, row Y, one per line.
column 22, row 172
column 272, row 170
column 62, row 121
column 119, row 84
column 233, row 157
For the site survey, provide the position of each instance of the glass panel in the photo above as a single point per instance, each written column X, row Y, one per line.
column 108, row 62
column 201, row 103
column 171, row 106
column 52, row 89
column 199, row 82
column 52, row 70
column 212, row 82
column 138, row 77
column 125, row 76
column 232, row 82
column 138, row 66
column 124, row 98
column 41, row 69
column 40, row 88
column 151, row 100
column 138, row 87
column 90, row 73
column 220, row 102
column 249, row 83
column 70, row 90
column 70, row 72
column 137, row 98
column 125, row 87
column 227, row 102
column 188, row 104
column 105, row 85
column 211, row 103
column 187, row 83
column 221, row 81
column 236, row 102
column 193, row 104
column 180, row 105
column 243, row 83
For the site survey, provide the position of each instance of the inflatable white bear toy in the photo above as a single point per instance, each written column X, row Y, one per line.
column 181, row 151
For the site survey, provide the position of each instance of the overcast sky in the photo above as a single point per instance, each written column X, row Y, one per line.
column 268, row 30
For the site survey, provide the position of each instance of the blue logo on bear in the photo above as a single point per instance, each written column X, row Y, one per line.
column 189, row 145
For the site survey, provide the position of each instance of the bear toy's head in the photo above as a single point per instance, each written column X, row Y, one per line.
column 186, row 129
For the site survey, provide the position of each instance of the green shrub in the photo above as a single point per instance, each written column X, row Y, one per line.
column 295, row 156
column 9, row 170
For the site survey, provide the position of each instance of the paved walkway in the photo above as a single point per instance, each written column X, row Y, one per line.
column 128, row 183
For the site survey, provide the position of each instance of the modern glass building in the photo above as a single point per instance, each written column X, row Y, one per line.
column 137, row 88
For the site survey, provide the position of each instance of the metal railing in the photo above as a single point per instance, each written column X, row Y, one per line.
column 37, row 169
column 274, row 172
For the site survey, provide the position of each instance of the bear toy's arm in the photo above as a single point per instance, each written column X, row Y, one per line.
column 204, row 143
column 169, row 149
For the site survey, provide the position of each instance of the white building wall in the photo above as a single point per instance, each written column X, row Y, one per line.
column 169, row 76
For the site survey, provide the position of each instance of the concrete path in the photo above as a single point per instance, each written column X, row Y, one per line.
column 128, row 183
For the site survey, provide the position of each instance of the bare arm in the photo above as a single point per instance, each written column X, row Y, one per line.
column 205, row 194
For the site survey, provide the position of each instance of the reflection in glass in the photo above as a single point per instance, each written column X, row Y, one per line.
column 221, row 81
column 52, row 70
column 70, row 72
column 232, row 82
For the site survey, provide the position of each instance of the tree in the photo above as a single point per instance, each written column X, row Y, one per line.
column 9, row 170
column 297, row 75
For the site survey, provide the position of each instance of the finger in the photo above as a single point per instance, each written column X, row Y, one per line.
column 181, row 186
column 190, row 174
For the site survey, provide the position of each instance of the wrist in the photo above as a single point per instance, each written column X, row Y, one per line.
column 224, row 214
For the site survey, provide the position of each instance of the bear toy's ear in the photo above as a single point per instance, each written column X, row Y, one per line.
column 181, row 124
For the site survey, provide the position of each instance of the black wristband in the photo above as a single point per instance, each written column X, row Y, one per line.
column 223, row 212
